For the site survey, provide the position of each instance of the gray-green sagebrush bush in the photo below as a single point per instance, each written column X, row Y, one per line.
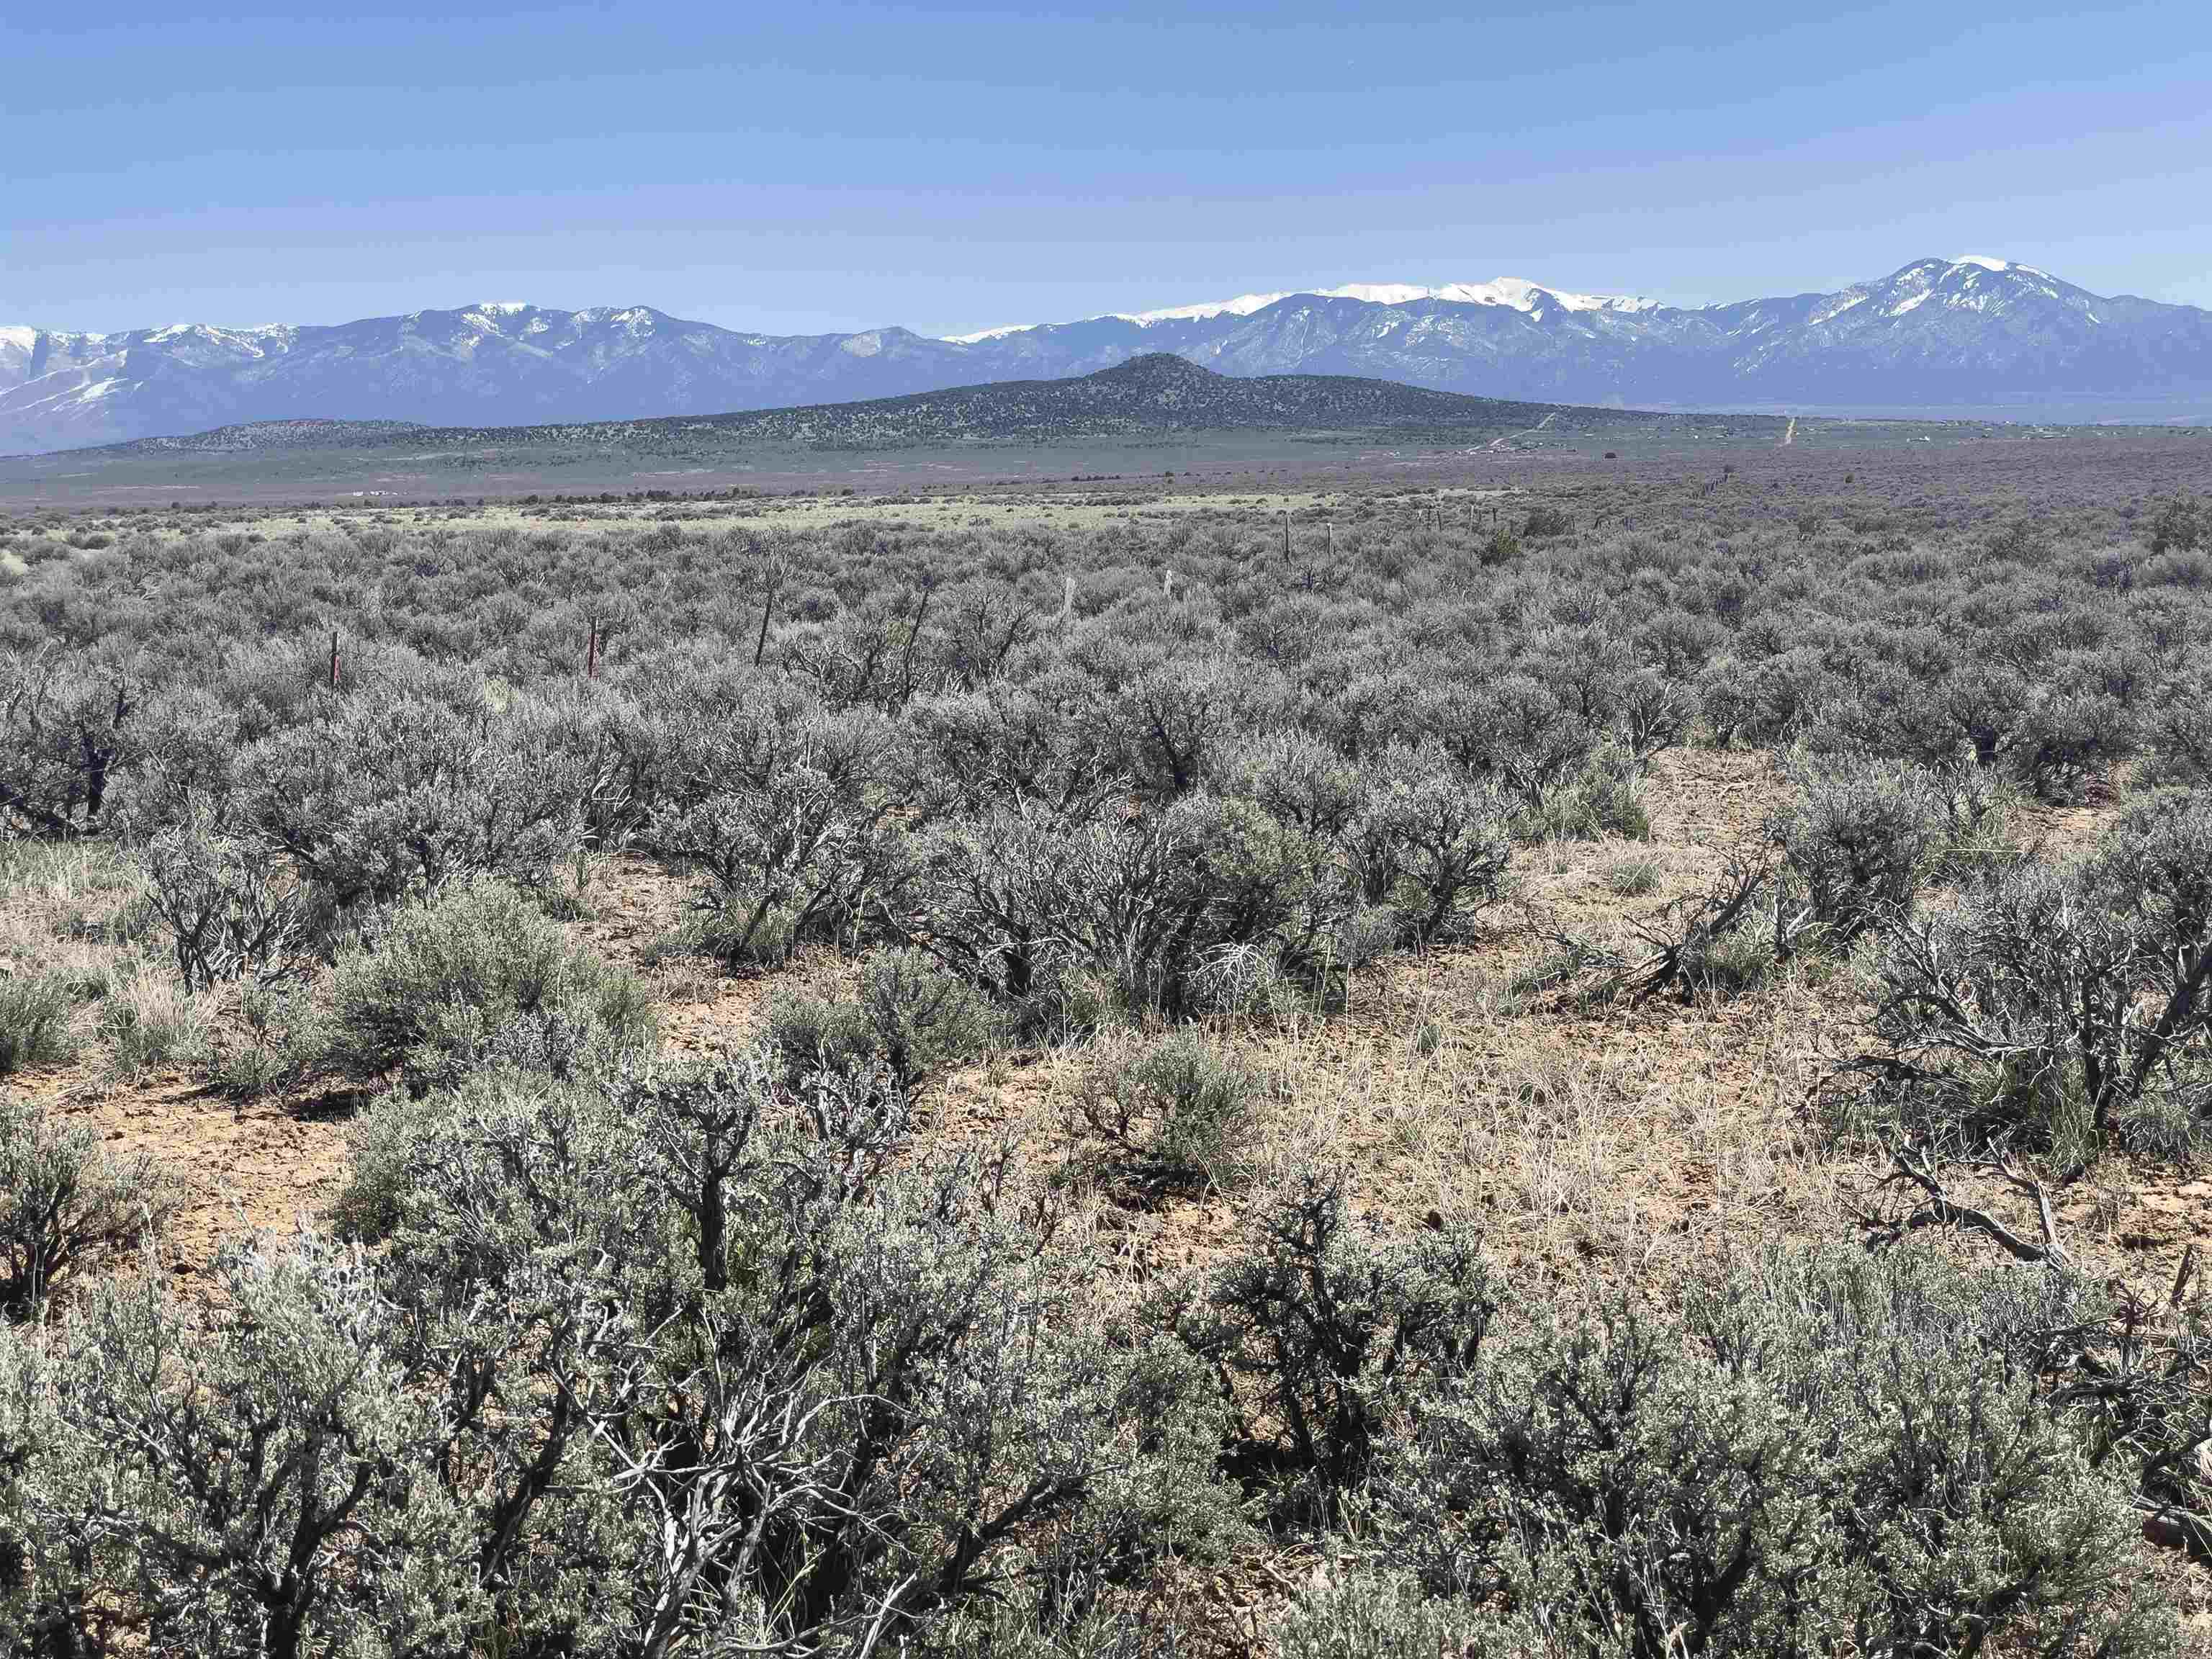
column 786, row 811
column 1165, row 714
column 63, row 1199
column 1515, row 728
column 230, row 911
column 1364, row 1614
column 1208, row 900
column 2180, row 735
column 385, row 796
column 1856, row 839
column 1406, row 843
column 2049, row 720
column 1131, row 908
column 1429, row 842
column 906, row 1015
column 1817, row 1452
column 65, row 737
column 1009, row 740
column 1821, row 1453
column 46, row 1568
column 2179, row 522
column 35, row 1021
column 478, row 976
column 266, row 1485
column 1335, row 1325
column 718, row 1370
column 2059, row 1008
column 1179, row 1107
column 1565, row 733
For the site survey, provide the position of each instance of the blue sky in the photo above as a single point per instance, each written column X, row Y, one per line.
column 839, row 165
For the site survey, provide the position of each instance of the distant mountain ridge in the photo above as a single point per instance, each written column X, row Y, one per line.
column 1935, row 334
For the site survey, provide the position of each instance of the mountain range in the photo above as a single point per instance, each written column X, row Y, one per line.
column 1952, row 335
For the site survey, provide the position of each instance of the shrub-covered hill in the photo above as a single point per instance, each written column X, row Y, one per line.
column 1147, row 396
column 249, row 436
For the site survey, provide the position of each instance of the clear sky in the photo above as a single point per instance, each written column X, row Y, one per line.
column 833, row 164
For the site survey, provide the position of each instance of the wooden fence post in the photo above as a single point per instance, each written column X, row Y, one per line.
column 767, row 607
column 334, row 659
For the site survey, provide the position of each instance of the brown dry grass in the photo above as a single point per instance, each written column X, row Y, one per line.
column 1612, row 1141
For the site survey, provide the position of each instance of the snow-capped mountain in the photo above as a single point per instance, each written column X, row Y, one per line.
column 1938, row 333
column 1515, row 291
column 485, row 364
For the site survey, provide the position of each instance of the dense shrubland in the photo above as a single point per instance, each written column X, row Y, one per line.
column 682, row 1360
column 606, row 1352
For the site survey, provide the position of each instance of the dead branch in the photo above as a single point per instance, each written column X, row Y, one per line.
column 1687, row 930
column 1915, row 1168
column 1574, row 958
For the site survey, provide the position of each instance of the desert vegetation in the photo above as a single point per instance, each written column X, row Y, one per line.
column 1621, row 1070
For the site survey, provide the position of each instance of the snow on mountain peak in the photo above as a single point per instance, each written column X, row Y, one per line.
column 250, row 338
column 983, row 334
column 1983, row 261
column 1524, row 295
column 1517, row 292
column 1242, row 306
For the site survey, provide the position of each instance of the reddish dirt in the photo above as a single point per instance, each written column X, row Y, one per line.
column 239, row 1168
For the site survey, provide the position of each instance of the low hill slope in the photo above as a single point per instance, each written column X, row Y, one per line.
column 1155, row 394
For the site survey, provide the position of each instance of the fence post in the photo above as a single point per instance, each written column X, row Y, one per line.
column 591, row 652
column 334, row 659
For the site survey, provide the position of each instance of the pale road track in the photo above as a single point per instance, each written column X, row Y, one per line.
column 1496, row 442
